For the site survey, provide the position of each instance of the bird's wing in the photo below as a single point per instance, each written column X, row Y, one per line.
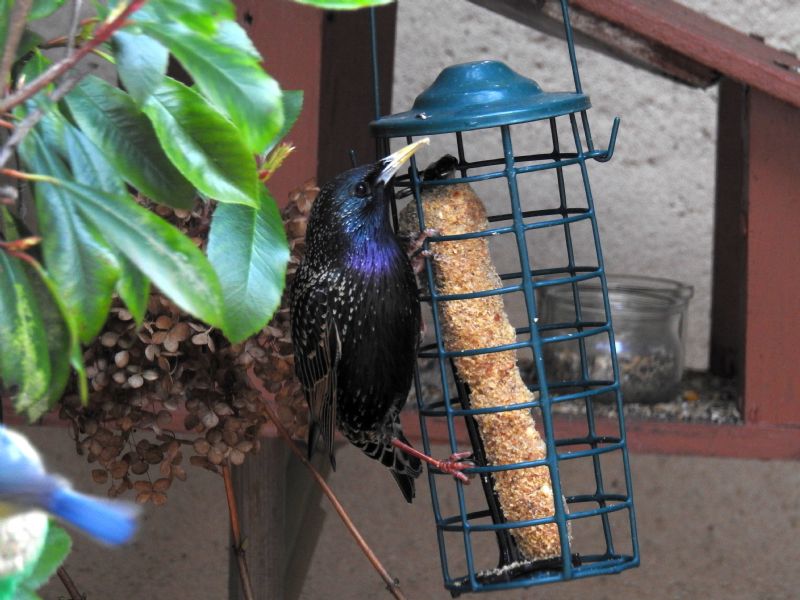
column 22, row 476
column 318, row 348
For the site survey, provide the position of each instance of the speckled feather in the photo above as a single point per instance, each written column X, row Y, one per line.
column 355, row 322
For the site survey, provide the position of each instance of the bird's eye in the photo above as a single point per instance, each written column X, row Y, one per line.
column 361, row 189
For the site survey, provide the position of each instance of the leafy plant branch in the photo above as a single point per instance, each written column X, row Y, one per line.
column 30, row 120
column 88, row 140
column 104, row 32
column 96, row 163
column 16, row 28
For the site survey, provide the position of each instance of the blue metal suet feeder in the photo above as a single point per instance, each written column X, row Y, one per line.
column 596, row 526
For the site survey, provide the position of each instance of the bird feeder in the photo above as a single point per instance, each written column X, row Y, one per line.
column 583, row 529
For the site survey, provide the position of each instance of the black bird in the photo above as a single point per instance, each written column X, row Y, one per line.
column 356, row 321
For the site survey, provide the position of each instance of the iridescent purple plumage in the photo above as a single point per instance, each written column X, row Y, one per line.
column 374, row 258
column 356, row 321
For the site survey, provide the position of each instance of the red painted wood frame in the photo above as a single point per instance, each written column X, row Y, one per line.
column 755, row 335
column 327, row 55
column 770, row 197
column 756, row 302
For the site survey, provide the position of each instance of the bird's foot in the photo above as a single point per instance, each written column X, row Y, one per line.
column 413, row 247
column 453, row 465
column 418, row 260
column 415, row 244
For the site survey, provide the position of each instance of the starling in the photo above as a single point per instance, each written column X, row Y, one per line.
column 356, row 321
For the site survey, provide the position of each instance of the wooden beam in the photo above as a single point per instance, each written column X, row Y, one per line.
column 327, row 55
column 259, row 485
column 772, row 337
column 605, row 37
column 347, row 105
column 289, row 38
column 669, row 38
column 726, row 357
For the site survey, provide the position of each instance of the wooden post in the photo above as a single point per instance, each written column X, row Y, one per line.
column 281, row 518
column 730, row 242
column 327, row 55
column 756, row 304
column 772, row 376
column 346, row 99
column 289, row 37
column 260, row 485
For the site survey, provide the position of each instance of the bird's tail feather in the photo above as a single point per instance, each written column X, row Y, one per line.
column 406, row 484
column 404, row 468
column 111, row 522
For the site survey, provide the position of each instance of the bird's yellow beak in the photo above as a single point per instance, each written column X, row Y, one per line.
column 393, row 162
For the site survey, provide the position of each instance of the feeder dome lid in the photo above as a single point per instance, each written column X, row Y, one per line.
column 477, row 95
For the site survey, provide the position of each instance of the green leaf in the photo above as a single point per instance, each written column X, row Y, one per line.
column 292, row 106
column 230, row 77
column 248, row 249
column 24, row 361
column 343, row 4
column 57, row 546
column 9, row 225
column 23, row 593
column 141, row 63
column 231, row 34
column 61, row 340
column 30, row 39
column 201, row 15
column 44, row 8
column 88, row 164
column 111, row 119
column 48, row 293
column 75, row 253
column 134, row 288
column 204, row 145
column 33, row 67
column 157, row 249
column 51, row 126
column 218, row 9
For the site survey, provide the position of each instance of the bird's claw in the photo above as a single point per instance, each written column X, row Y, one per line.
column 414, row 243
column 418, row 260
column 455, row 464
column 414, row 249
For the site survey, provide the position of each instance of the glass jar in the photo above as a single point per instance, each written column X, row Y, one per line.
column 649, row 320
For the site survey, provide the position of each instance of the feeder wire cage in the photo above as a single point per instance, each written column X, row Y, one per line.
column 595, row 528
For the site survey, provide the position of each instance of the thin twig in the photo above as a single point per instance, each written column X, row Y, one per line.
column 19, row 16
column 65, row 64
column 244, row 571
column 14, row 174
column 21, row 244
column 73, row 27
column 35, row 115
column 392, row 584
column 24, row 257
column 62, row 40
column 72, row 589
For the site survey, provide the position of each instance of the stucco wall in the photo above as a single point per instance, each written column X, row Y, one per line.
column 655, row 199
